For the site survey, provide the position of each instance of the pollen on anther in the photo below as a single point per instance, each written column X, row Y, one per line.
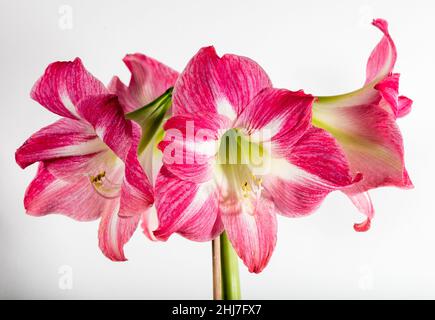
column 98, row 178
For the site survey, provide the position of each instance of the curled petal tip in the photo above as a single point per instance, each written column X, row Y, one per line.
column 381, row 24
column 159, row 235
column 150, row 224
column 151, row 236
column 363, row 226
column 19, row 158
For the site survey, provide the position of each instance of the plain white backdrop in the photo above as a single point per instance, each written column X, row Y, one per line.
column 318, row 46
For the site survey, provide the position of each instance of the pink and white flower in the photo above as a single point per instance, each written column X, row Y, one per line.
column 219, row 102
column 82, row 172
column 364, row 124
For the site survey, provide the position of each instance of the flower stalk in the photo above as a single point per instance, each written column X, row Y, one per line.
column 216, row 262
column 229, row 270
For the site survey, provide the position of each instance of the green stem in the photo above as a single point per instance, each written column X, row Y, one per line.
column 229, row 269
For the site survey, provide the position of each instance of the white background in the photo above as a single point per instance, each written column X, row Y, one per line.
column 320, row 46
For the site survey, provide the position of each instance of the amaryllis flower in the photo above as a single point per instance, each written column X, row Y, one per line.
column 364, row 124
column 224, row 108
column 82, row 156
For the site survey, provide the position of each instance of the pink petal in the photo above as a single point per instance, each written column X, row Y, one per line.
column 383, row 57
column 135, row 201
column 371, row 141
column 105, row 114
column 318, row 153
column 149, row 80
column 363, row 202
column 190, row 145
column 279, row 114
column 389, row 90
column 251, row 229
column 363, row 226
column 404, row 106
column 313, row 168
column 187, row 208
column 213, row 84
column 150, row 223
column 75, row 167
column 137, row 190
column 63, row 85
column 115, row 231
column 47, row 195
column 66, row 137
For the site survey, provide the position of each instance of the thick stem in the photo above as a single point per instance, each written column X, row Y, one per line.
column 217, row 280
column 230, row 270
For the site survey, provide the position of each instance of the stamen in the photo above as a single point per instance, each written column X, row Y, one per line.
column 252, row 188
column 98, row 179
column 238, row 158
column 246, row 189
column 103, row 186
column 258, row 181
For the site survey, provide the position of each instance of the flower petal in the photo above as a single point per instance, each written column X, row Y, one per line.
column 280, row 115
column 363, row 226
column 404, row 106
column 135, row 201
column 251, row 228
column 214, row 84
column 187, row 208
column 66, row 137
column 383, row 57
column 105, row 114
column 149, row 79
column 47, row 195
column 190, row 145
column 364, row 204
column 63, row 85
column 389, row 90
column 137, row 190
column 150, row 223
column 76, row 167
column 313, row 168
column 115, row 231
column 371, row 140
